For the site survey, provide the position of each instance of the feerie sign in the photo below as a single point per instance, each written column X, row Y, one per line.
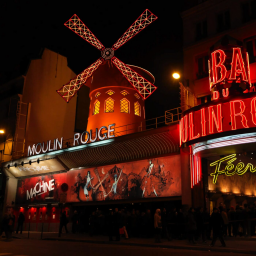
column 79, row 139
column 218, row 117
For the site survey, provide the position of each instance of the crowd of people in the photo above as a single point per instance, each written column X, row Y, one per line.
column 193, row 224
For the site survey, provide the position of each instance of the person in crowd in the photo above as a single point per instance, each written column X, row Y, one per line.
column 165, row 230
column 149, row 223
column 217, row 224
column 133, row 223
column 21, row 220
column 110, row 225
column 180, row 222
column 225, row 219
column 117, row 224
column 200, row 223
column 172, row 217
column 63, row 222
column 232, row 226
column 74, row 222
column 157, row 225
column 191, row 224
column 124, row 223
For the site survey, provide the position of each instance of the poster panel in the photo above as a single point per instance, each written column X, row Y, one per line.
column 41, row 189
column 158, row 177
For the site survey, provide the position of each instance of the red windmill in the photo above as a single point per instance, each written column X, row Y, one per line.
column 122, row 94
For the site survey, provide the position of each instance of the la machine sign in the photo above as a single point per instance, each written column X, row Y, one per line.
column 105, row 132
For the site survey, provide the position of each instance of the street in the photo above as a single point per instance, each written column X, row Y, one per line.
column 22, row 247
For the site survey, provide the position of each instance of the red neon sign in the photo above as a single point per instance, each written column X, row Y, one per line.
column 227, row 115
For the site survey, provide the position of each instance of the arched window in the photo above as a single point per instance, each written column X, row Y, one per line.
column 97, row 94
column 124, row 92
column 137, row 111
column 110, row 92
column 109, row 105
column 96, row 109
column 124, row 106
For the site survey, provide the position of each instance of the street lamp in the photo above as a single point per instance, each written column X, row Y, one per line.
column 2, row 131
column 176, row 75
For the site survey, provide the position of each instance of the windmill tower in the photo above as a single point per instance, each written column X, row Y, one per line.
column 117, row 90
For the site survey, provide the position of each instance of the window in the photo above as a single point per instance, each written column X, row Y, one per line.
column 251, row 49
column 109, row 105
column 137, row 96
column 223, row 21
column 124, row 92
column 96, row 109
column 97, row 94
column 248, row 10
column 202, row 66
column 110, row 92
column 137, row 108
column 124, row 106
column 201, row 30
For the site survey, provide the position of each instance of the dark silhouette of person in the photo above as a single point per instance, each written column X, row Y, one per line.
column 74, row 222
column 117, row 224
column 63, row 222
column 21, row 219
column 110, row 225
column 191, row 225
column 217, row 227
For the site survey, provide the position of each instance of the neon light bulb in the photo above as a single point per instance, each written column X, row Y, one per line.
column 237, row 65
column 233, row 114
column 220, row 65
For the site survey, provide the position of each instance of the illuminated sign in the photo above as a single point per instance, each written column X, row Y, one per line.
column 40, row 188
column 227, row 167
column 218, row 117
column 239, row 67
column 79, row 138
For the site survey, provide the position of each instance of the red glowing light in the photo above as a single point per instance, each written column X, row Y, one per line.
column 215, row 119
column 225, row 92
column 220, row 65
column 233, row 114
column 191, row 128
column 237, row 65
column 203, row 122
column 253, row 110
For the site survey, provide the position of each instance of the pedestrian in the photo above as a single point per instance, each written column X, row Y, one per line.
column 117, row 224
column 200, row 224
column 110, row 225
column 74, row 222
column 21, row 219
column 225, row 219
column 157, row 225
column 191, row 226
column 165, row 225
column 63, row 223
column 217, row 227
column 124, row 223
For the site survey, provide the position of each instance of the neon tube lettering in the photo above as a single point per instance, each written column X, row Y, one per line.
column 237, row 65
column 233, row 114
column 191, row 128
column 213, row 119
column 215, row 66
column 253, row 110
column 203, row 122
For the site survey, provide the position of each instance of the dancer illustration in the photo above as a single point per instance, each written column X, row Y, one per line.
column 88, row 185
column 114, row 185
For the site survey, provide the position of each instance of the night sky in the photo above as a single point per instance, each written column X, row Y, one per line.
column 28, row 25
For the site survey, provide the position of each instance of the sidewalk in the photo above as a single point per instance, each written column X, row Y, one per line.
column 236, row 245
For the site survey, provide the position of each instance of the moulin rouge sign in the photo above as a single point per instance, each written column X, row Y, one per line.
column 79, row 139
column 226, row 112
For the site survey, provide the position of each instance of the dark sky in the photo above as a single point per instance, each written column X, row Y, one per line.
column 26, row 25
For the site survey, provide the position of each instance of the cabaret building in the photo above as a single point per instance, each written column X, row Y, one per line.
column 96, row 151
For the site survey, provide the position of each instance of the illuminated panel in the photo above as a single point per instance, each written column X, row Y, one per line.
column 137, row 109
column 96, row 109
column 142, row 85
column 226, row 166
column 77, row 26
column 68, row 91
column 237, row 65
column 233, row 113
column 124, row 92
column 144, row 20
column 110, row 92
column 97, row 94
column 215, row 119
column 109, row 105
column 124, row 106
column 220, row 65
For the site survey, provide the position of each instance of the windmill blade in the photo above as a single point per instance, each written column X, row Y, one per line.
column 76, row 25
column 69, row 90
column 144, row 20
column 142, row 85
